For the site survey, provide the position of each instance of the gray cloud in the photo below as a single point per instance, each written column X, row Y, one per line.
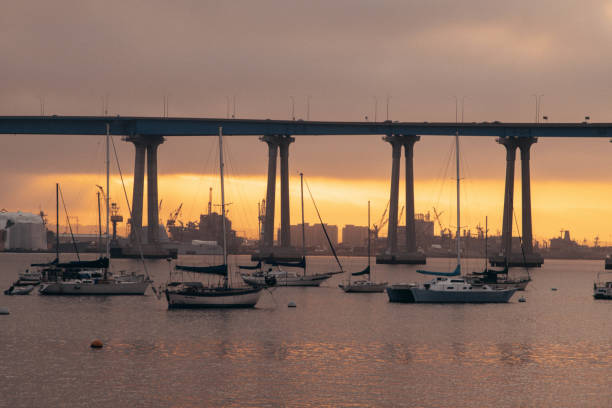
column 342, row 53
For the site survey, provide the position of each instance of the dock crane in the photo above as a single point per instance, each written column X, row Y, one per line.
column 442, row 229
column 383, row 221
column 173, row 216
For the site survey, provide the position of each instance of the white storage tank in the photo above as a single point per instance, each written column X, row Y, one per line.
column 23, row 231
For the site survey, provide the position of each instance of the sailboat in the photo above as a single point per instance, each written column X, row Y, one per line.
column 449, row 287
column 91, row 277
column 494, row 277
column 364, row 285
column 195, row 294
column 283, row 277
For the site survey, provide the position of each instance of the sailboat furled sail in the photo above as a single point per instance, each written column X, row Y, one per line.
column 366, row 271
column 298, row 264
column 251, row 267
column 214, row 270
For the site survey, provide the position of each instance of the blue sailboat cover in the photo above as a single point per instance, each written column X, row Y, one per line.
column 456, row 272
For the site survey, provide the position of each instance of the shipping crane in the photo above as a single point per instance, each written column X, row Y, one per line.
column 437, row 215
column 173, row 216
column 383, row 221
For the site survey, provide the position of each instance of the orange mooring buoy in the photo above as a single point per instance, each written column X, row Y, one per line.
column 96, row 344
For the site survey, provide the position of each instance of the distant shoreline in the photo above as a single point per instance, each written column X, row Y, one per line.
column 586, row 258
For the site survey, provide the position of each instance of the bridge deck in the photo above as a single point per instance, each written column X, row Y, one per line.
column 155, row 126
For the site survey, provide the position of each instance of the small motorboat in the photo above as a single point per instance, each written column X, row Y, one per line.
column 602, row 287
column 19, row 290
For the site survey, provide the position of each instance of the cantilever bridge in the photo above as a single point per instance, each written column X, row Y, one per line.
column 147, row 133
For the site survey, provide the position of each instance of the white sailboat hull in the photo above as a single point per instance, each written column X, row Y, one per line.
column 363, row 287
column 99, row 288
column 231, row 298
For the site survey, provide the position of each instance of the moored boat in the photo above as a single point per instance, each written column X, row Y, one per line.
column 401, row 293
column 364, row 285
column 282, row 277
column 497, row 279
column 96, row 282
column 19, row 290
column 449, row 287
column 195, row 294
column 458, row 290
column 185, row 295
column 602, row 287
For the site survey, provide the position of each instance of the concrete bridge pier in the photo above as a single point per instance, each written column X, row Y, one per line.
column 411, row 245
column 392, row 254
column 277, row 144
column 268, row 227
column 525, row 145
column 152, row 196
column 396, row 145
column 150, row 247
column 285, row 236
column 525, row 256
column 138, row 189
column 506, row 245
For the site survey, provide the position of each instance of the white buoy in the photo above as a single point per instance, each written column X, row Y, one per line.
column 291, row 304
column 4, row 311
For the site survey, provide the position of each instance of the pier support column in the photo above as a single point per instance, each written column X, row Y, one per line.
column 138, row 190
column 525, row 145
column 396, row 144
column 506, row 245
column 152, row 196
column 268, row 227
column 409, row 141
column 285, row 230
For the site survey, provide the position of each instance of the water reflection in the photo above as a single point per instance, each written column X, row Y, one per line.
column 514, row 354
column 334, row 349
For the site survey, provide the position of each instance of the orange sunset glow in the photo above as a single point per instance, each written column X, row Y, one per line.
column 557, row 204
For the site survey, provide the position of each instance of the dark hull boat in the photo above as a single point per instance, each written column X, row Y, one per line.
column 194, row 295
column 401, row 293
column 190, row 295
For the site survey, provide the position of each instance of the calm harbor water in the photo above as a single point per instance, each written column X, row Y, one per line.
column 334, row 349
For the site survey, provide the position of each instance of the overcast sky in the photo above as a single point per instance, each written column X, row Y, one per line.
column 345, row 55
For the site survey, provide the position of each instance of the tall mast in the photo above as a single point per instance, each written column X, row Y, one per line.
column 486, row 241
column 57, row 221
column 99, row 226
column 458, row 203
column 369, row 272
column 107, row 188
column 303, row 227
column 223, row 205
